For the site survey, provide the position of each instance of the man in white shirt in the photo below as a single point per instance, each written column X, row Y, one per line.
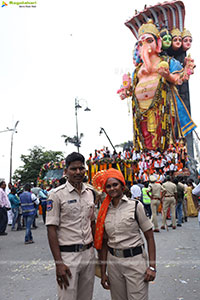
column 136, row 191
column 195, row 197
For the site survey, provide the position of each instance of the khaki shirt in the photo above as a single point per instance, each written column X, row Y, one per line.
column 72, row 213
column 156, row 190
column 171, row 189
column 121, row 228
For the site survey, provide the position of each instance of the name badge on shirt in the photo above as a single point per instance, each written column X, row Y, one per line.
column 71, row 201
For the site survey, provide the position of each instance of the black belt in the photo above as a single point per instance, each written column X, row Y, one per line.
column 125, row 252
column 75, row 248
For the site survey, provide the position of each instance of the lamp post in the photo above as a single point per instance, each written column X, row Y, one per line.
column 77, row 106
column 11, row 147
column 103, row 130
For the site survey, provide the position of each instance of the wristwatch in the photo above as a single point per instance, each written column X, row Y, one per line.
column 152, row 269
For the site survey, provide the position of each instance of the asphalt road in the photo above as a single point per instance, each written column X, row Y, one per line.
column 27, row 271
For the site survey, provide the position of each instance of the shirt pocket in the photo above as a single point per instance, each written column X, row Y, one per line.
column 109, row 228
column 71, row 210
column 89, row 210
column 127, row 223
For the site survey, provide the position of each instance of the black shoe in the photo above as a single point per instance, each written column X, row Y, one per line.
column 185, row 219
column 179, row 225
column 29, row 242
column 34, row 227
column 170, row 225
column 182, row 220
column 3, row 233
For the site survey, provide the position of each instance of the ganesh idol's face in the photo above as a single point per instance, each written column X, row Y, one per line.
column 186, row 43
column 147, row 42
column 176, row 42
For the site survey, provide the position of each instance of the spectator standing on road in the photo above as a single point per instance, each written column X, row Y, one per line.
column 169, row 200
column 4, row 207
column 136, row 192
column 196, row 199
column 35, row 190
column 15, row 203
column 180, row 199
column 184, row 219
column 9, row 212
column 28, row 202
column 43, row 195
column 70, row 225
column 191, row 209
column 146, row 200
column 156, row 192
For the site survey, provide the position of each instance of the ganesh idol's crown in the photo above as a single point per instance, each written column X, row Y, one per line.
column 149, row 27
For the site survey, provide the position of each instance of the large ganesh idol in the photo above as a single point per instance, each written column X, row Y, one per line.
column 157, row 106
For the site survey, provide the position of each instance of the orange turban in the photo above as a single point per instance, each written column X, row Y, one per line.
column 99, row 182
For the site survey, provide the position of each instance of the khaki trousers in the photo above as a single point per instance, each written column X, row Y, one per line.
column 154, row 207
column 171, row 202
column 82, row 267
column 126, row 276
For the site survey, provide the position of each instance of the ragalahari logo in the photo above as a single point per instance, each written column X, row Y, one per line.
column 4, row 4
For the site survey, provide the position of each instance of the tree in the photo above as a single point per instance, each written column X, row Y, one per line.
column 125, row 145
column 33, row 163
column 73, row 140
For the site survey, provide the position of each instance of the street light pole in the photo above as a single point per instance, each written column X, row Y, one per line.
column 77, row 106
column 11, row 147
column 76, row 115
column 103, row 130
column 6, row 130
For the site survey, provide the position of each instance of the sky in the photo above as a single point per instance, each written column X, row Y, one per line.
column 62, row 50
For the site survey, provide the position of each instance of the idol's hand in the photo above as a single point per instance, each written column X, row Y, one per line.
column 164, row 72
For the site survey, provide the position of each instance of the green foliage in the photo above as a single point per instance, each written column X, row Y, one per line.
column 73, row 140
column 125, row 145
column 33, row 162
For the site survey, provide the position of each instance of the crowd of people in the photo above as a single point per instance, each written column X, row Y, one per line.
column 172, row 198
column 146, row 163
column 19, row 206
column 68, row 211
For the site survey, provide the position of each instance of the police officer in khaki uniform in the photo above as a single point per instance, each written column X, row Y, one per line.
column 70, row 225
column 169, row 200
column 122, row 254
column 156, row 192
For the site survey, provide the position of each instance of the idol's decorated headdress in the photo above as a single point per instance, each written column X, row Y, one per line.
column 186, row 33
column 150, row 28
column 175, row 32
column 164, row 31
